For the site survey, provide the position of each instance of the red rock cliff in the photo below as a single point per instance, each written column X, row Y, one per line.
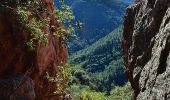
column 22, row 72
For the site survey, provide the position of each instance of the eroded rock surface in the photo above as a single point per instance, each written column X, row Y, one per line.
column 146, row 47
column 16, row 59
column 17, row 88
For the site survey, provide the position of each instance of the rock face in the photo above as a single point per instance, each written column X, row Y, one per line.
column 146, row 47
column 17, row 88
column 26, row 69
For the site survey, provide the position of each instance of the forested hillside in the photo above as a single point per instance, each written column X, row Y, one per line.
column 99, row 18
column 102, row 61
column 95, row 62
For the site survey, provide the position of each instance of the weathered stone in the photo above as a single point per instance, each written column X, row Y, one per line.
column 17, row 88
column 16, row 59
column 146, row 46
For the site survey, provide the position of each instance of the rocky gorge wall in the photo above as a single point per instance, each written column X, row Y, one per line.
column 22, row 72
column 146, row 48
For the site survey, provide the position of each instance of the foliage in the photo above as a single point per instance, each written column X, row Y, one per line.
column 122, row 93
column 78, row 80
column 63, row 78
column 77, row 89
column 33, row 24
column 118, row 93
column 66, row 17
column 103, row 62
column 65, row 14
column 100, row 69
column 71, row 69
column 60, row 80
column 85, row 95
column 30, row 14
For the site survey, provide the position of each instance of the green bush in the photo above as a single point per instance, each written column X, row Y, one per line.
column 76, row 89
column 85, row 95
column 122, row 93
column 30, row 15
column 83, row 92
column 33, row 21
column 65, row 17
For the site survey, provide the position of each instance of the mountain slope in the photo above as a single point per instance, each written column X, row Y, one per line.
column 98, row 17
column 103, row 61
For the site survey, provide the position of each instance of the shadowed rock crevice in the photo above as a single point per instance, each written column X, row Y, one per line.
column 163, row 58
column 146, row 48
column 17, row 88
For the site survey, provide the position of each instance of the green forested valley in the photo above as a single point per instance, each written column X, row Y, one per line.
column 95, row 69
column 100, row 66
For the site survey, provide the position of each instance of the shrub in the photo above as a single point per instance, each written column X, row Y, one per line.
column 122, row 93
column 85, row 95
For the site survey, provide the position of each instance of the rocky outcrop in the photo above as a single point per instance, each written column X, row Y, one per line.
column 17, row 88
column 26, row 69
column 146, row 48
